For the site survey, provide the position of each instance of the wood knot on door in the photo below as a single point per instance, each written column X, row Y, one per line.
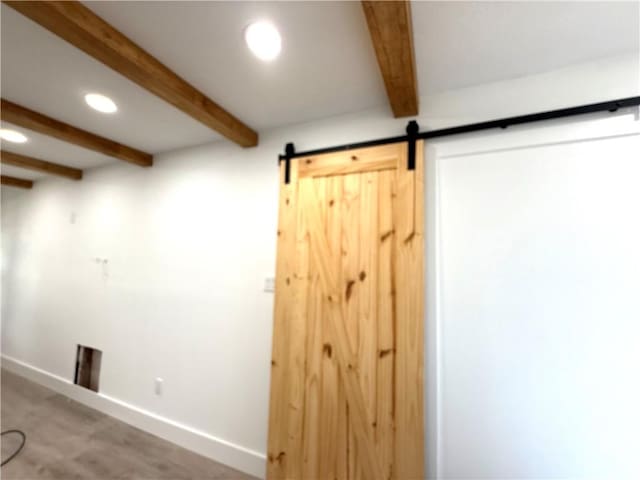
column 349, row 290
column 332, row 298
column 386, row 235
column 279, row 458
column 385, row 352
column 410, row 237
column 327, row 350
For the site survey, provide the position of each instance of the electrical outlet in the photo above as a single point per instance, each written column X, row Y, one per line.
column 158, row 386
column 270, row 284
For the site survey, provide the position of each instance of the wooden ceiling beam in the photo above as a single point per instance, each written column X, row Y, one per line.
column 37, row 122
column 15, row 182
column 82, row 28
column 22, row 161
column 391, row 33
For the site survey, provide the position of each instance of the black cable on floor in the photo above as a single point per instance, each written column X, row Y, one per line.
column 24, row 440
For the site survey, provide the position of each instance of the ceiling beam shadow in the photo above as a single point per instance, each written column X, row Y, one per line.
column 30, row 163
column 78, row 25
column 37, row 122
column 390, row 27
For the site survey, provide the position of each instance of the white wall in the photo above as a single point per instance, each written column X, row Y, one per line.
column 188, row 244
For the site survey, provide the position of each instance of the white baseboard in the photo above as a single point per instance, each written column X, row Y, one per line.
column 227, row 453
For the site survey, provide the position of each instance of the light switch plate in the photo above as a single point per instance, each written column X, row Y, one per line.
column 269, row 284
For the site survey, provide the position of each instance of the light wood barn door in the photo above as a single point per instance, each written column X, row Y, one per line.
column 347, row 362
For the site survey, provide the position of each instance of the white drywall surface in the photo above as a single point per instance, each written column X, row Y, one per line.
column 189, row 242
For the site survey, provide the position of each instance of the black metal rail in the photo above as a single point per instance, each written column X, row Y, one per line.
column 413, row 133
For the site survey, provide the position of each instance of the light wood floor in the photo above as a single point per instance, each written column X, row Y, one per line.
column 67, row 440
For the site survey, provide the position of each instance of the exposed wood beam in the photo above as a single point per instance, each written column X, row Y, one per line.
column 37, row 122
column 22, row 161
column 79, row 26
column 15, row 182
column 391, row 33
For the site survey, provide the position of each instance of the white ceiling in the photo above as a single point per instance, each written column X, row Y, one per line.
column 327, row 66
column 44, row 73
column 460, row 44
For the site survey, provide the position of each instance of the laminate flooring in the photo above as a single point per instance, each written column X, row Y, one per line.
column 68, row 440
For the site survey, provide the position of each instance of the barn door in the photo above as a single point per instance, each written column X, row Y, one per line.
column 346, row 376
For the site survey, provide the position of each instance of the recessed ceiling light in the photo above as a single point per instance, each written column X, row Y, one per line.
column 264, row 40
column 100, row 103
column 12, row 136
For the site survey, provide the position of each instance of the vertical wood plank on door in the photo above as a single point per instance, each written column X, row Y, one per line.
column 409, row 216
column 366, row 287
column 349, row 254
column 313, row 365
column 350, row 244
column 386, row 351
column 334, row 423
column 297, row 340
column 277, row 459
